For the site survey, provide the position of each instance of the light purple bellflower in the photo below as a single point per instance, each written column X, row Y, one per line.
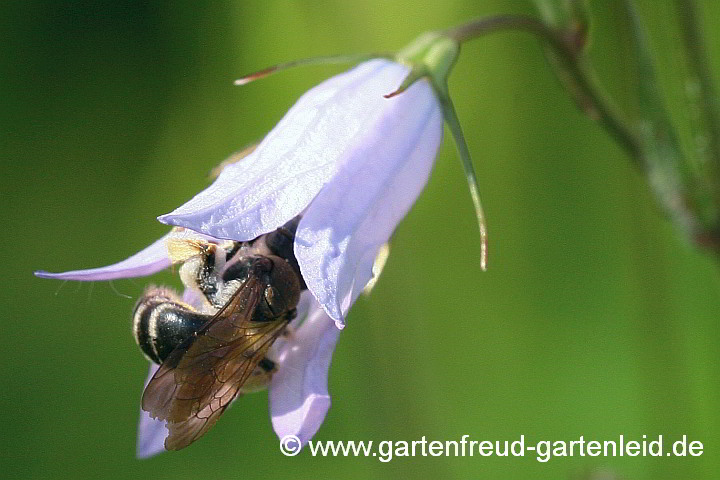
column 352, row 162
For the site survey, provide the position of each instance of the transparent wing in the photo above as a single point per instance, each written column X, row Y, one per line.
column 202, row 376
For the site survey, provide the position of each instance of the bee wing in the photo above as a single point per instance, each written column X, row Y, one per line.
column 200, row 378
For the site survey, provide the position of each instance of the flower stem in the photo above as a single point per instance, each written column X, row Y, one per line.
column 454, row 125
column 593, row 101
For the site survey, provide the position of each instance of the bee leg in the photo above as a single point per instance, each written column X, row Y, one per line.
column 200, row 273
column 268, row 365
column 260, row 377
column 288, row 332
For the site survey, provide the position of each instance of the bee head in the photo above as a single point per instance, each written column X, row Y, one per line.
column 279, row 281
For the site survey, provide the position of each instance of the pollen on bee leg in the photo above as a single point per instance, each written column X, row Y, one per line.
column 182, row 249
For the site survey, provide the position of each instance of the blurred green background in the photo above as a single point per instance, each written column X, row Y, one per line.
column 596, row 318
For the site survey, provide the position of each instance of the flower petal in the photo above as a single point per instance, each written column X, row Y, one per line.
column 151, row 432
column 299, row 398
column 297, row 158
column 147, row 261
column 342, row 230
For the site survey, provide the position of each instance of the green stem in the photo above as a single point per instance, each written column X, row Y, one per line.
column 697, row 56
column 464, row 152
column 568, row 52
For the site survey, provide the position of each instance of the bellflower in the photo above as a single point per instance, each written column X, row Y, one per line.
column 351, row 156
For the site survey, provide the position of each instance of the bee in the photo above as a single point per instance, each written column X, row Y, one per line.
column 211, row 354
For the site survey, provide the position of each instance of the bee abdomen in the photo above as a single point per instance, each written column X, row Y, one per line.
column 161, row 322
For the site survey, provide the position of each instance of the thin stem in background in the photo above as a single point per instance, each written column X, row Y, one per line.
column 697, row 56
column 326, row 60
column 598, row 105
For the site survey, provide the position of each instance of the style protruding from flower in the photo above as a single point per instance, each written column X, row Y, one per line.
column 351, row 156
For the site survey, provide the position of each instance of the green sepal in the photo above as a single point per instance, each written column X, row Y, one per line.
column 432, row 56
